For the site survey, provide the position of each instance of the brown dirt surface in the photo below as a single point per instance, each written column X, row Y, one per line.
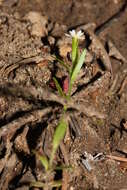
column 94, row 149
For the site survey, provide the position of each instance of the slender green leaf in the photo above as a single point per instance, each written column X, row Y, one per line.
column 62, row 63
column 37, row 184
column 57, row 183
column 58, row 137
column 43, row 159
column 78, row 66
column 44, row 162
column 63, row 167
column 52, row 184
column 61, row 93
column 59, row 134
column 74, row 49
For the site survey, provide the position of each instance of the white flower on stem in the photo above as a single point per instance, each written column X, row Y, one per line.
column 73, row 34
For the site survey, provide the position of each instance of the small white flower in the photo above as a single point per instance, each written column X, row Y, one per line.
column 73, row 34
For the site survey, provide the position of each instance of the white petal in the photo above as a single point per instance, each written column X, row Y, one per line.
column 80, row 34
column 73, row 33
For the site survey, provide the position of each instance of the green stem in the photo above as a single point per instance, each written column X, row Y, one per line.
column 69, row 91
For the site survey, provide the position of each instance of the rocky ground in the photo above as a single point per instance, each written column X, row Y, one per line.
column 94, row 150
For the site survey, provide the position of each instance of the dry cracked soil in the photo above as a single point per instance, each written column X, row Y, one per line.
column 93, row 154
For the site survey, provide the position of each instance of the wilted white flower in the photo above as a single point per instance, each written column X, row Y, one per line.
column 73, row 34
